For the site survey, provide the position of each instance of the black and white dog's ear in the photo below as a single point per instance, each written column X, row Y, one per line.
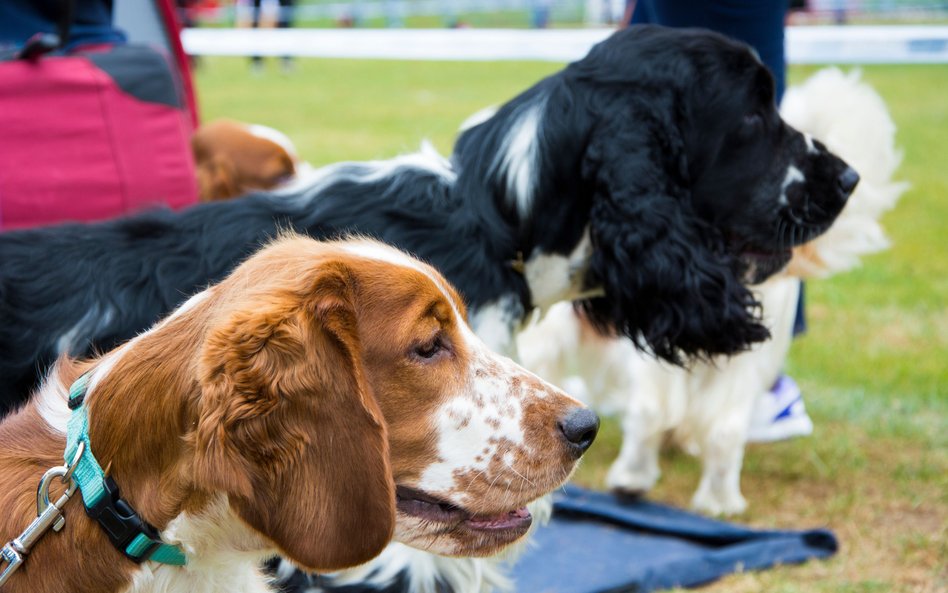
column 670, row 283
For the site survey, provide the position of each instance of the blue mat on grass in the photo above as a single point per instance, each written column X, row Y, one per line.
column 597, row 543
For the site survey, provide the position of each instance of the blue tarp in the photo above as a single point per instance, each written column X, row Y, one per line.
column 597, row 543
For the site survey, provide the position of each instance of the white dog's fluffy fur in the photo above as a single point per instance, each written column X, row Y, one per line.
column 707, row 408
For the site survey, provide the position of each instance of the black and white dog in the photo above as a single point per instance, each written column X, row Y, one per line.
column 652, row 177
column 648, row 182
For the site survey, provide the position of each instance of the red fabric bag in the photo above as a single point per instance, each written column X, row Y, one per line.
column 92, row 135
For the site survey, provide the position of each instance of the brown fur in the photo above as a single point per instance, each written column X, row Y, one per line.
column 58, row 562
column 412, row 393
column 266, row 391
column 232, row 161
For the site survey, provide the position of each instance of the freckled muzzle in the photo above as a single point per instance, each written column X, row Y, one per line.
column 507, row 439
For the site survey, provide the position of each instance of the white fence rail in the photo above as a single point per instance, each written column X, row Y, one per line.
column 891, row 44
column 805, row 45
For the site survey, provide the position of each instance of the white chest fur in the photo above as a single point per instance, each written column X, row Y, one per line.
column 223, row 555
column 553, row 277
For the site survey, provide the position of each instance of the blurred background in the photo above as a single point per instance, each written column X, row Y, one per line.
column 536, row 13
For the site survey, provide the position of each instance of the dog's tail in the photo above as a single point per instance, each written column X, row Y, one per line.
column 853, row 121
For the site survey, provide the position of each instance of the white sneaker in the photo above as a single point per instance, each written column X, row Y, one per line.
column 779, row 414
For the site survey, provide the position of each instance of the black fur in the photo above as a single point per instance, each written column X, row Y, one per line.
column 666, row 144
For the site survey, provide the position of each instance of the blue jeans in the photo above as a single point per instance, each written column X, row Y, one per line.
column 759, row 23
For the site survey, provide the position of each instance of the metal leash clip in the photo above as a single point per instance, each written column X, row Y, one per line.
column 48, row 516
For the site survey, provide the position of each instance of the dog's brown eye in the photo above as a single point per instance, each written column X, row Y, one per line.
column 430, row 349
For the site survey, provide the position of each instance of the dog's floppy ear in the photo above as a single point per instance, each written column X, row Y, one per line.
column 217, row 179
column 671, row 285
column 290, row 430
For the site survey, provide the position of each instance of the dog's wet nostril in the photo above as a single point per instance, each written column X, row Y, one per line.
column 579, row 427
column 847, row 181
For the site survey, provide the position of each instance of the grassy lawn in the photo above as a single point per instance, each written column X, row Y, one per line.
column 874, row 365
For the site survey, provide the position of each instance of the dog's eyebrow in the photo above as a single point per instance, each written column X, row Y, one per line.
column 391, row 255
column 432, row 309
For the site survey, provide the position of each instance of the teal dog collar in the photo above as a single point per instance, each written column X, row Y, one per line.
column 127, row 531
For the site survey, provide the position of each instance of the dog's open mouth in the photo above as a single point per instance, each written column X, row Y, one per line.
column 418, row 504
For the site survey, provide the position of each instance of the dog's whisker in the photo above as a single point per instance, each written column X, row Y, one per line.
column 522, row 477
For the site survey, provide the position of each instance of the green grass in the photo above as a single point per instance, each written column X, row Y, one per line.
column 874, row 365
column 354, row 109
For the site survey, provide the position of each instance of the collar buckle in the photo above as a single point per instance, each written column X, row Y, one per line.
column 122, row 524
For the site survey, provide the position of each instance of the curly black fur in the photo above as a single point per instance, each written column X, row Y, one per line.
column 664, row 144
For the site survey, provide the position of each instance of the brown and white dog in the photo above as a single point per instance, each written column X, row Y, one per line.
column 233, row 158
column 707, row 408
column 320, row 399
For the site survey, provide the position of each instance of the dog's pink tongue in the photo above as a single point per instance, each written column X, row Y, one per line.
column 509, row 518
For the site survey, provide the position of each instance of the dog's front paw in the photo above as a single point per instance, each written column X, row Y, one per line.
column 707, row 502
column 631, row 481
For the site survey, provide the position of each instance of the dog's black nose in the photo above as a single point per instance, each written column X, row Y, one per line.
column 848, row 180
column 579, row 426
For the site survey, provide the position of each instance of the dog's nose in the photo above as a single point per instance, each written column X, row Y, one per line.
column 848, row 180
column 579, row 427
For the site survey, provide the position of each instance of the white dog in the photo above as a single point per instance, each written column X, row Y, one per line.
column 708, row 408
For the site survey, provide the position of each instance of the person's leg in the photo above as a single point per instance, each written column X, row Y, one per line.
column 285, row 18
column 285, row 21
column 256, row 62
column 799, row 322
column 759, row 23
